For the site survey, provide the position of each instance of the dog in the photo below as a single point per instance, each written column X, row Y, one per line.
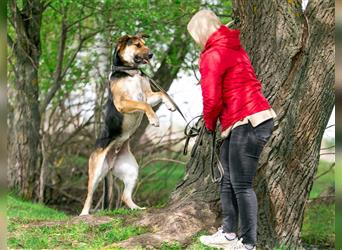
column 130, row 97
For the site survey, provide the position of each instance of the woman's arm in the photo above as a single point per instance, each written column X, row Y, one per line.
column 212, row 68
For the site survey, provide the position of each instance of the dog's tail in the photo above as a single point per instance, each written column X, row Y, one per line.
column 106, row 193
column 111, row 152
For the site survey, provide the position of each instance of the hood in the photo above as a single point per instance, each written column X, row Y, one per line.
column 224, row 37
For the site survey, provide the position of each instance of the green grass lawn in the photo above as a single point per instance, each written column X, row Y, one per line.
column 24, row 234
column 319, row 220
column 23, row 216
column 319, row 225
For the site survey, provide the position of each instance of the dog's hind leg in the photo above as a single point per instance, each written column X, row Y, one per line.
column 126, row 169
column 98, row 168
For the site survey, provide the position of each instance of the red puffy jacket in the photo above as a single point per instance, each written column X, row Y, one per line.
column 230, row 88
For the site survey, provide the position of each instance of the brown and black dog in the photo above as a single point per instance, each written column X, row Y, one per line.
column 130, row 97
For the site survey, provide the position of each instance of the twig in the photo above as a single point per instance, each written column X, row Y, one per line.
column 325, row 172
column 163, row 159
column 327, row 153
column 98, row 204
column 330, row 126
column 65, row 194
column 328, row 147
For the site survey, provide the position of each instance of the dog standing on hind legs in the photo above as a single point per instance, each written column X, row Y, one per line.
column 130, row 97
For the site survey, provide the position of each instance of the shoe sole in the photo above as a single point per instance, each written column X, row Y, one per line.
column 224, row 246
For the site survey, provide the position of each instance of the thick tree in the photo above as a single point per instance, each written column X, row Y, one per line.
column 24, row 137
column 293, row 55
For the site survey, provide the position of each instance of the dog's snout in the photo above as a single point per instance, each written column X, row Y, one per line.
column 150, row 55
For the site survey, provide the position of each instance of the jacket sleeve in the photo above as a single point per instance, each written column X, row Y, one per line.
column 212, row 71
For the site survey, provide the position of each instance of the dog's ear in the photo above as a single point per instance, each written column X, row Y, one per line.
column 123, row 41
column 116, row 58
column 142, row 35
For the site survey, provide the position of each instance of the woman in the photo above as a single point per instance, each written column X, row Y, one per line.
column 232, row 93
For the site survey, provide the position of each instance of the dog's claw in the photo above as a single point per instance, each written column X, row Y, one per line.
column 173, row 109
column 154, row 122
column 170, row 106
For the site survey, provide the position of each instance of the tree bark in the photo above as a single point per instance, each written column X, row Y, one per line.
column 24, row 141
column 293, row 56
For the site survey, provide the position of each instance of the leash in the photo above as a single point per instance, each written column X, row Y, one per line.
column 198, row 130
column 212, row 161
column 157, row 86
column 192, row 131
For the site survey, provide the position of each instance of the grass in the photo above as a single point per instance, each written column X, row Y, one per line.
column 318, row 227
column 22, row 233
column 319, row 220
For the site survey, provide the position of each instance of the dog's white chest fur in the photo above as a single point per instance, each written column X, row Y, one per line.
column 134, row 87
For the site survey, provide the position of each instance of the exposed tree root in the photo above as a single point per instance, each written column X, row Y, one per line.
column 177, row 222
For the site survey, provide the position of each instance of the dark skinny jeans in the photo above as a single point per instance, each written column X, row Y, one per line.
column 239, row 155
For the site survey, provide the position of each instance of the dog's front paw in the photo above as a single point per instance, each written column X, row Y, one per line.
column 154, row 121
column 170, row 106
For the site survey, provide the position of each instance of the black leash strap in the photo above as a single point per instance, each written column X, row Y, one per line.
column 123, row 68
column 198, row 130
column 157, row 86
column 212, row 161
column 191, row 131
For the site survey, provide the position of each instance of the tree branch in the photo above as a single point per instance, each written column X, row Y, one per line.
column 325, row 172
column 163, row 159
column 10, row 41
column 58, row 72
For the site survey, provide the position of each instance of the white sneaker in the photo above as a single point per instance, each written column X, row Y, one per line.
column 217, row 240
column 238, row 245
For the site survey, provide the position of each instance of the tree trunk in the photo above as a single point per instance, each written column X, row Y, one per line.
column 293, row 56
column 24, row 140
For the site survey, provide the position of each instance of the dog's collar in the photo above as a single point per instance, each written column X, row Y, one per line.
column 129, row 70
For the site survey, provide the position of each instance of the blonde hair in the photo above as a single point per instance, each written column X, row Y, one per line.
column 202, row 25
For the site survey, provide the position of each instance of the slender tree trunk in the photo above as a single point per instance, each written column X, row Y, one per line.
column 24, row 152
column 293, row 56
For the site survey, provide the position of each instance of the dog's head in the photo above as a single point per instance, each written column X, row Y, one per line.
column 132, row 51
